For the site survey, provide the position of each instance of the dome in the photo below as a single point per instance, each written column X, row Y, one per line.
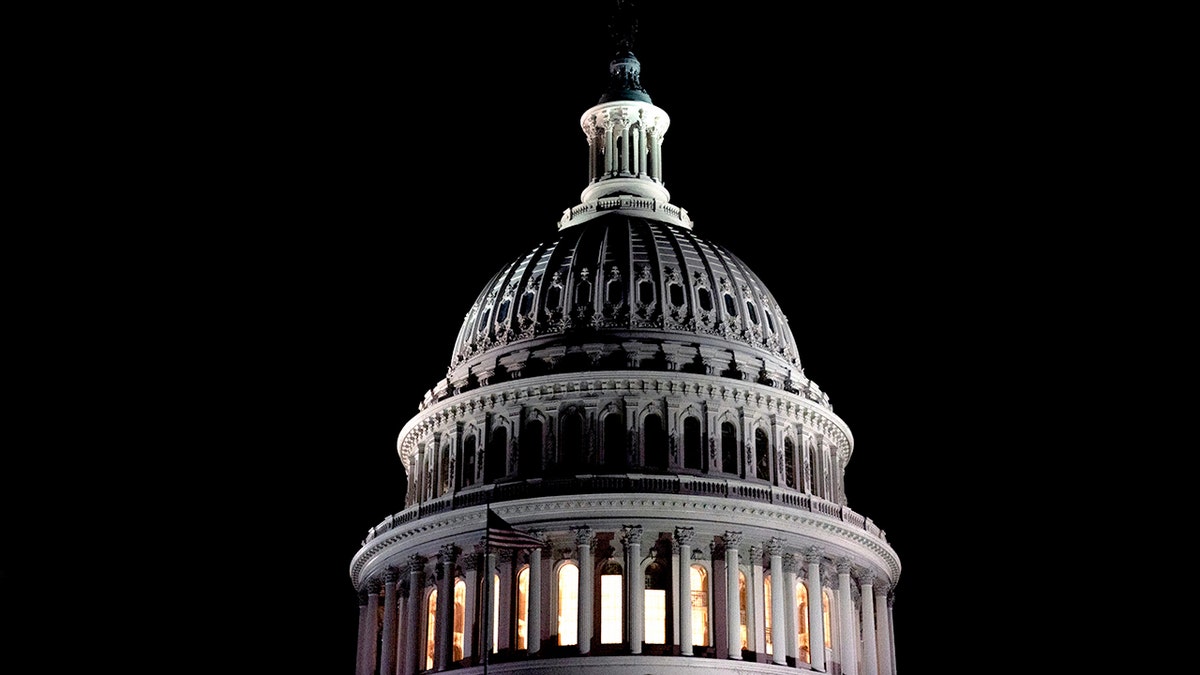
column 626, row 291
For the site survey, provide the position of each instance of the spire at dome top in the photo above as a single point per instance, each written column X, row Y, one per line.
column 624, row 71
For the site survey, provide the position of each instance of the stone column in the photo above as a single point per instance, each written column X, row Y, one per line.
column 361, row 657
column 791, row 565
column 883, row 635
column 533, row 616
column 891, row 600
column 733, row 619
column 849, row 641
column 684, row 536
column 444, row 644
column 486, row 605
column 371, row 655
column 778, row 610
column 403, row 600
column 643, row 152
column 583, row 540
column 635, row 588
column 507, row 558
column 675, row 595
column 412, row 660
column 755, row 610
column 816, row 616
column 608, row 149
column 471, row 568
column 387, row 660
column 419, row 488
column 870, row 657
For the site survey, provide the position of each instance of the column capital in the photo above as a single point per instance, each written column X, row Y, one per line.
column 540, row 535
column 732, row 539
column 373, row 586
column 843, row 565
column 776, row 546
column 362, row 598
column 583, row 535
column 470, row 562
column 506, row 555
column 882, row 588
column 755, row 554
column 416, row 563
column 391, row 575
column 813, row 554
column 891, row 598
column 685, row 535
column 866, row 577
column 791, row 562
column 449, row 553
column 403, row 588
column 632, row 535
column 674, row 546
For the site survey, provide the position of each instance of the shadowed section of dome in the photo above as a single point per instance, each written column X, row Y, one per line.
column 629, row 293
column 625, row 80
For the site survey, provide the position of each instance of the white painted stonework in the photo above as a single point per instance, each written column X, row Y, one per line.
column 630, row 396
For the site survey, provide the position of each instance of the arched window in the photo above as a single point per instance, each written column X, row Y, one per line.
column 810, row 480
column 614, row 440
column 572, row 454
column 769, row 647
column 444, row 469
column 656, row 442
column 730, row 305
column 530, row 460
column 825, row 604
column 802, row 634
column 743, row 614
column 762, row 455
column 460, row 603
column 699, row 606
column 612, row 599
column 522, row 608
column 693, row 450
column 751, row 313
column 789, row 462
column 676, row 292
column 705, row 297
column 658, row 581
column 430, row 628
column 496, row 456
column 526, row 303
column 568, row 604
column 729, row 448
column 468, row 461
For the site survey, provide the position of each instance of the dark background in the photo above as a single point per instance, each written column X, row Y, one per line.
column 862, row 165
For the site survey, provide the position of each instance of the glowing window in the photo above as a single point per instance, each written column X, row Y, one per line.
column 430, row 629
column 658, row 578
column 495, row 613
column 568, row 604
column 825, row 612
column 460, row 602
column 767, row 614
column 522, row 608
column 611, row 601
column 802, row 636
column 699, row 606
column 744, row 625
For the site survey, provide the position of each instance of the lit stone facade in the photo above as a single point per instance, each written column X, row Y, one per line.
column 630, row 397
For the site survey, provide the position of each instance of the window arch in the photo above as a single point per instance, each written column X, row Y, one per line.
column 729, row 448
column 460, row 603
column 530, row 459
column 693, row 448
column 655, row 438
column 567, row 603
column 612, row 600
column 614, row 440
column 430, row 628
column 789, row 462
column 762, row 455
column 523, row 608
column 699, row 605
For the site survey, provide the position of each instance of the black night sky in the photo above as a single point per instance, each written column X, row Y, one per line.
column 389, row 164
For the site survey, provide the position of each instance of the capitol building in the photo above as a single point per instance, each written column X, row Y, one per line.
column 626, row 470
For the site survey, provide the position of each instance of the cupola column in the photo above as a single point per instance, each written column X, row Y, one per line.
column 416, row 570
column 884, row 632
column 487, row 602
column 684, row 536
column 444, row 622
column 675, row 596
column 778, row 610
column 387, row 660
column 733, row 618
column 608, row 149
column 583, row 540
column 642, row 153
column 849, row 631
column 866, row 582
column 891, row 600
column 360, row 667
column 533, row 605
column 791, row 566
column 636, row 588
column 816, row 615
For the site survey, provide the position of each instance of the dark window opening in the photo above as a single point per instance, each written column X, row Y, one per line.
column 530, row 459
column 751, row 313
column 705, row 299
column 614, row 441
column 762, row 455
column 676, row 295
column 502, row 313
column 770, row 321
column 496, row 456
column 571, row 455
column 656, row 442
column 789, row 462
column 553, row 297
column 693, row 452
column 583, row 293
column 468, row 463
column 646, row 292
column 729, row 449
column 614, row 294
column 730, row 305
column 526, row 304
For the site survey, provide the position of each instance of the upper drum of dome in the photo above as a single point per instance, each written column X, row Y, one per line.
column 621, row 280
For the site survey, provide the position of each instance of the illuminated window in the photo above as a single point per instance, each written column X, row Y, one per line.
column 744, row 624
column 699, row 606
column 767, row 615
column 495, row 613
column 430, row 629
column 522, row 607
column 825, row 612
column 611, row 602
column 802, row 636
column 568, row 604
column 657, row 580
column 460, row 603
